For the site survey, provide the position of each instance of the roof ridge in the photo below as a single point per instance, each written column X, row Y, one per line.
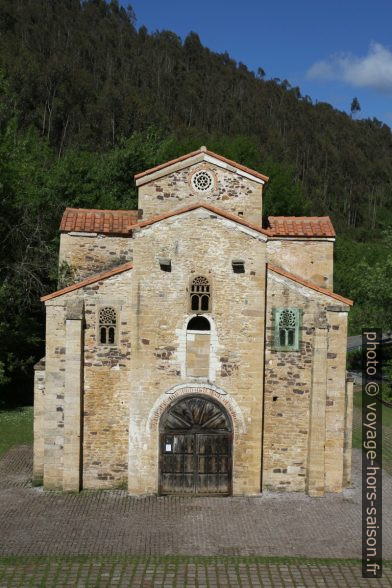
column 299, row 217
column 100, row 209
column 303, row 282
column 91, row 280
column 201, row 150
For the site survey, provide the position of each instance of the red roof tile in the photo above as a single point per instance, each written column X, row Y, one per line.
column 88, row 281
column 252, row 172
column 310, row 285
column 301, row 226
column 87, row 220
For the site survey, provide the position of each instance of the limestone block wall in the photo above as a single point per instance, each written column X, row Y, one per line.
column 91, row 253
column 336, row 397
column 106, row 387
column 290, row 381
column 309, row 259
column 38, row 425
column 197, row 244
column 54, row 395
column 232, row 192
column 104, row 397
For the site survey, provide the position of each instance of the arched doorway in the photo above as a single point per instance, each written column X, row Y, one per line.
column 195, row 448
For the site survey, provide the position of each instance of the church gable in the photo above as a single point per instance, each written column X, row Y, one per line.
column 202, row 176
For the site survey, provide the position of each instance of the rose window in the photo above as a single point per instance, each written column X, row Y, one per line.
column 202, row 181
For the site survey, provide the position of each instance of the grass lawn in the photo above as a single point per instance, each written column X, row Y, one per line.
column 178, row 571
column 16, row 427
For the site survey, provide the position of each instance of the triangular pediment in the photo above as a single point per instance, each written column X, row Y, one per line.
column 203, row 209
column 196, row 157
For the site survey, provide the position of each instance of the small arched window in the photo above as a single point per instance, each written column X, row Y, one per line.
column 107, row 325
column 200, row 294
column 199, row 323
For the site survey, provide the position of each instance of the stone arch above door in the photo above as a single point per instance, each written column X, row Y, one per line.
column 170, row 396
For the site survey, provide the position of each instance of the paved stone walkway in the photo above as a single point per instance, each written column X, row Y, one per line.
column 46, row 535
column 33, row 522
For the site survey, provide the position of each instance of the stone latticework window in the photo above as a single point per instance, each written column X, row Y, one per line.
column 287, row 329
column 202, row 181
column 107, row 325
column 200, row 294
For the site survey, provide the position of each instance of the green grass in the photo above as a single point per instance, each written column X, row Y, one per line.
column 16, row 427
column 175, row 571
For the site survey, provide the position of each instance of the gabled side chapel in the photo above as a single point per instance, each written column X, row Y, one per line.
column 195, row 352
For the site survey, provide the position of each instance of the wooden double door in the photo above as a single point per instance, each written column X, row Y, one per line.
column 195, row 449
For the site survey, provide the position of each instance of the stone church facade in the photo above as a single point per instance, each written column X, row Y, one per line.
column 195, row 351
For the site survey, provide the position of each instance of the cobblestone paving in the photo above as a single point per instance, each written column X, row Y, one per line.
column 16, row 466
column 33, row 522
column 180, row 572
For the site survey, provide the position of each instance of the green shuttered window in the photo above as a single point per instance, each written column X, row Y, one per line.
column 287, row 329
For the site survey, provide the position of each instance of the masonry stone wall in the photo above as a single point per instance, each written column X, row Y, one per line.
column 289, row 379
column 309, row 259
column 336, row 398
column 232, row 192
column 54, row 395
column 106, row 386
column 105, row 394
column 197, row 243
column 38, row 425
column 90, row 254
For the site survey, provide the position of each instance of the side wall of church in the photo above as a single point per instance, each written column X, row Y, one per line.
column 105, row 395
column 90, row 255
column 233, row 193
column 197, row 245
column 289, row 384
column 106, row 386
column 312, row 260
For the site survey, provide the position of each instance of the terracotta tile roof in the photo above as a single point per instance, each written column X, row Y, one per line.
column 97, row 278
column 329, row 293
column 89, row 220
column 301, row 226
column 213, row 209
column 207, row 152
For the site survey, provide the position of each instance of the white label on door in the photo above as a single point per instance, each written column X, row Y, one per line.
column 168, row 447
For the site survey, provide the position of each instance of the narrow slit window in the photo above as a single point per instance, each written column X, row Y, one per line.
column 200, row 294
column 107, row 325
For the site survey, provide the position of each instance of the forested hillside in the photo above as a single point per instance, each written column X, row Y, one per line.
column 88, row 99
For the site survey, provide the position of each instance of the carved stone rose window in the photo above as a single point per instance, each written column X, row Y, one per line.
column 202, row 181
